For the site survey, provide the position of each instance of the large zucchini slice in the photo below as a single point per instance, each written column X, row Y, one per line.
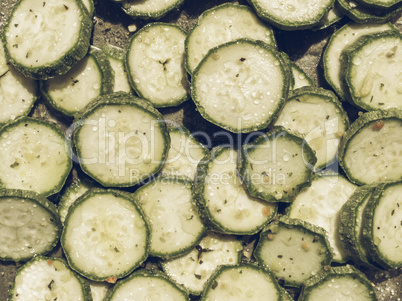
column 35, row 156
column 120, row 140
column 276, row 165
column 223, row 201
column 172, row 216
column 44, row 39
column 48, row 278
column 242, row 282
column 293, row 250
column 240, row 85
column 370, row 150
column 105, row 236
column 29, row 225
column 222, row 24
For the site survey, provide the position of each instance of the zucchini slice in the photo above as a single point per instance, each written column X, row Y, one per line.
column 293, row 250
column 318, row 116
column 223, row 201
column 300, row 78
column 242, row 282
column 155, row 64
column 147, row 285
column 44, row 39
column 351, row 226
column 195, row 268
column 184, row 153
column 221, row 24
column 370, row 149
column 17, row 92
column 34, row 156
column 99, row 290
column 46, row 278
column 382, row 226
column 241, row 85
column 338, row 283
column 105, row 236
column 120, row 140
column 339, row 41
column 117, row 57
column 89, row 78
column 292, row 14
column 321, row 204
column 276, row 165
column 172, row 216
column 373, row 71
column 148, row 9
column 380, row 3
column 334, row 15
column 29, row 225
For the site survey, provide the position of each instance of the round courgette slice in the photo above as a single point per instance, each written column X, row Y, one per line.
column 148, row 9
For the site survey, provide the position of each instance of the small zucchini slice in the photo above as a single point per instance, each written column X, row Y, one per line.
column 379, row 3
column 300, row 78
column 148, row 9
column 316, row 115
column 120, row 140
column 293, row 250
column 172, row 216
column 223, row 201
column 155, row 64
column 320, row 204
column 334, row 15
column 338, row 42
column 147, row 285
column 47, row 278
column 276, row 165
column 382, row 225
column 242, row 282
column 29, row 225
column 105, row 235
column 338, row 283
column 351, row 226
column 99, row 290
column 195, row 268
column 184, row 153
column 292, row 14
column 35, row 156
column 88, row 79
column 369, row 150
column 44, row 39
column 221, row 24
column 372, row 74
column 117, row 57
column 241, row 85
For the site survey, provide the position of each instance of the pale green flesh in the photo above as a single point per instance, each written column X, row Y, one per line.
column 387, row 227
column 156, row 64
column 224, row 25
column 43, row 33
column 104, row 236
column 243, row 283
column 17, row 94
column 3, row 62
column 374, row 154
column 240, row 86
column 99, row 290
column 300, row 78
column 292, row 254
column 34, row 158
column 359, row 227
column 174, row 220
column 341, row 39
column 148, row 6
column 72, row 91
column 375, row 74
column 344, row 288
column 26, row 229
column 120, row 144
column 121, row 82
column 183, row 270
column 183, row 156
column 47, row 280
column 69, row 198
column 228, row 201
column 148, row 288
column 318, row 120
column 320, row 205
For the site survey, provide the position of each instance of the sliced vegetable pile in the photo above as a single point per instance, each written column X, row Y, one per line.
column 143, row 209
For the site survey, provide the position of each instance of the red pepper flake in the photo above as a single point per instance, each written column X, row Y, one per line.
column 111, row 280
column 49, row 262
column 378, row 125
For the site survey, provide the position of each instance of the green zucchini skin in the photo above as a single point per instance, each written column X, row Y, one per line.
column 138, row 14
column 376, row 4
column 63, row 64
